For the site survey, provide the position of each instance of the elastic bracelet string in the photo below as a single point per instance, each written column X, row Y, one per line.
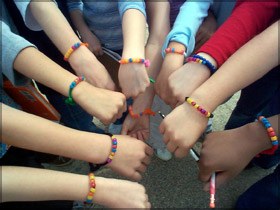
column 135, row 60
column 92, row 189
column 70, row 99
column 73, row 48
column 272, row 136
column 173, row 50
column 199, row 108
column 135, row 116
column 203, row 61
column 114, row 148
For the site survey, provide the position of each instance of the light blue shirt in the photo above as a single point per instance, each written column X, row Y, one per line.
column 189, row 19
column 104, row 18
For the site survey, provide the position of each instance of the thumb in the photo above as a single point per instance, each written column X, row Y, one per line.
column 221, row 179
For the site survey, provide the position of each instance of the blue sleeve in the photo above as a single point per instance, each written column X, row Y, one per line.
column 75, row 5
column 125, row 5
column 187, row 23
column 11, row 45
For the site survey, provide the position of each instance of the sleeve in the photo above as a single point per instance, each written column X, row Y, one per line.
column 187, row 23
column 125, row 5
column 247, row 20
column 28, row 18
column 75, row 5
column 11, row 45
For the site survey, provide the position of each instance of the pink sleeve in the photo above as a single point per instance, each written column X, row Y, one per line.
column 247, row 20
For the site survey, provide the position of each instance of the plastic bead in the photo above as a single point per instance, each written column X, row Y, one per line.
column 72, row 49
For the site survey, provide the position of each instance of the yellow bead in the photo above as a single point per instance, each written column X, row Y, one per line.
column 138, row 60
column 92, row 190
column 111, row 157
column 114, row 137
column 134, row 60
column 196, row 106
column 208, row 115
column 92, row 177
column 90, row 197
column 126, row 60
column 274, row 138
column 200, row 61
column 189, row 100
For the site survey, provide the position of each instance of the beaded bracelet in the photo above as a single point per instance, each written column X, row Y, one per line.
column 135, row 116
column 114, row 148
column 272, row 135
column 91, row 189
column 70, row 100
column 199, row 108
column 71, row 50
column 135, row 60
column 201, row 60
column 173, row 50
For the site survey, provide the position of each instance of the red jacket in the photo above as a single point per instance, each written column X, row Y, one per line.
column 248, row 19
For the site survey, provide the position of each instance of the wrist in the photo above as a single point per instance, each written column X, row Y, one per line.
column 209, row 58
column 144, row 100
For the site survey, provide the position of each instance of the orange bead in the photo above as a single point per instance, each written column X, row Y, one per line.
column 260, row 118
column 270, row 129
column 92, row 181
column 90, row 194
column 112, row 153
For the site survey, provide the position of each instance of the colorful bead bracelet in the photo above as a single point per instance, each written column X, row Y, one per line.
column 114, row 148
column 71, row 50
column 135, row 116
column 173, row 50
column 135, row 60
column 199, row 108
column 203, row 61
column 152, row 81
column 92, row 189
column 70, row 100
column 272, row 135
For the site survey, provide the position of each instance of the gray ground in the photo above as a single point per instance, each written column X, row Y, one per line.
column 174, row 184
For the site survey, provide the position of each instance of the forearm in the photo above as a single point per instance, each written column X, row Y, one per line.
column 134, row 26
column 37, row 134
column 247, row 65
column 25, row 184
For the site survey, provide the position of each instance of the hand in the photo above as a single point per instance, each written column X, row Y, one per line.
column 85, row 64
column 171, row 63
column 182, row 128
column 133, row 79
column 120, row 194
column 104, row 104
column 185, row 80
column 227, row 153
column 138, row 128
column 131, row 157
column 93, row 42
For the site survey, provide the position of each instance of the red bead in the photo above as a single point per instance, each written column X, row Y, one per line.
column 272, row 134
column 206, row 113
column 114, row 146
column 199, row 108
column 193, row 103
column 93, row 185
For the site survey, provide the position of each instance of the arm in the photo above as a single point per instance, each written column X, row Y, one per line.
column 28, row 186
column 31, row 134
column 133, row 77
column 244, row 67
column 82, row 60
column 222, row 45
column 158, row 21
column 76, row 14
column 245, row 143
column 181, row 37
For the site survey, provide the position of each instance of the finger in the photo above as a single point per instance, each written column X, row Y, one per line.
column 140, row 136
column 180, row 152
column 165, row 139
column 136, row 176
column 134, row 135
column 146, row 160
column 171, row 147
column 222, row 178
column 124, row 130
column 142, row 168
column 148, row 205
column 145, row 135
column 162, row 127
column 149, row 151
column 205, row 172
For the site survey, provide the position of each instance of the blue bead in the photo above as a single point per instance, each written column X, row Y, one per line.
column 141, row 114
column 130, row 60
column 114, row 150
column 78, row 44
column 72, row 86
column 115, row 143
column 89, row 201
column 173, row 49
column 203, row 62
column 274, row 142
column 83, row 77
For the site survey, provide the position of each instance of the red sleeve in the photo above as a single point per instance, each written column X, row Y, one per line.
column 247, row 20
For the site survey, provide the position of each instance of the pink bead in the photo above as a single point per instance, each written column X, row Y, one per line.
column 272, row 134
column 114, row 146
column 199, row 108
column 73, row 47
column 92, row 185
column 193, row 103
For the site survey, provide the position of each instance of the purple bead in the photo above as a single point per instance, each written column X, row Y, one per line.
column 115, row 139
column 73, row 47
column 109, row 160
column 194, row 59
column 202, row 111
